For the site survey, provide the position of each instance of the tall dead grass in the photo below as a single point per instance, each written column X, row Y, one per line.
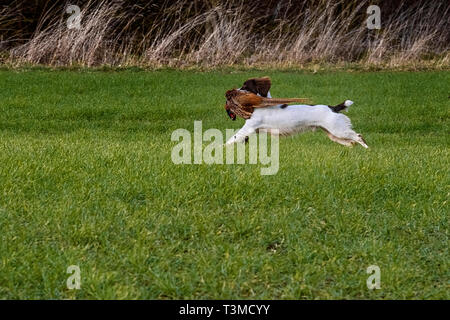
column 214, row 33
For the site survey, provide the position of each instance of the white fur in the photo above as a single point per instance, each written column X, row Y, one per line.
column 297, row 118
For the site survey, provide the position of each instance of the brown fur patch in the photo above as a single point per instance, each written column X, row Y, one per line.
column 259, row 86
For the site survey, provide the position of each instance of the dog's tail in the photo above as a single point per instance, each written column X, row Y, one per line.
column 342, row 106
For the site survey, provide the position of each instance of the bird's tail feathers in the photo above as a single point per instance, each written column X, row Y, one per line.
column 267, row 102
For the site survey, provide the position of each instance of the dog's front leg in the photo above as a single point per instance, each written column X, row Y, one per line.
column 242, row 134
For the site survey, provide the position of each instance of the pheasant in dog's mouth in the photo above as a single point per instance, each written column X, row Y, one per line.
column 243, row 103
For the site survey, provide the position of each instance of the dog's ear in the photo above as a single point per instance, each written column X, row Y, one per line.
column 263, row 86
column 250, row 86
column 259, row 86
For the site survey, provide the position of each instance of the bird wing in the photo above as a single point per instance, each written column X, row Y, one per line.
column 248, row 99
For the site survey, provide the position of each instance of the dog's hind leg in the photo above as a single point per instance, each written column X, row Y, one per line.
column 361, row 141
column 339, row 129
column 345, row 142
column 350, row 139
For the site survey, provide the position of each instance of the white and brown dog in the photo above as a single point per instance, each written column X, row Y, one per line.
column 289, row 119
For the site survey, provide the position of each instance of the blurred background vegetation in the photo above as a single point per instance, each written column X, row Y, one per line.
column 211, row 33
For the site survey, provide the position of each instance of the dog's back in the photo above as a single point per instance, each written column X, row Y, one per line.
column 289, row 119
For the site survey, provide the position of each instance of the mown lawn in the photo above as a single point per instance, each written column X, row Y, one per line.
column 86, row 178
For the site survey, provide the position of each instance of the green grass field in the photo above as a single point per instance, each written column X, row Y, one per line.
column 86, row 179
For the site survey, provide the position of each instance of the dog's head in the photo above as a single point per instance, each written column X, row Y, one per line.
column 259, row 86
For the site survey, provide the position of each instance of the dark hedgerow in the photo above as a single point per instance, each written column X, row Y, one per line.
column 223, row 33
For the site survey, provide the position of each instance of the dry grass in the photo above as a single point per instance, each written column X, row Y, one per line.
column 212, row 34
